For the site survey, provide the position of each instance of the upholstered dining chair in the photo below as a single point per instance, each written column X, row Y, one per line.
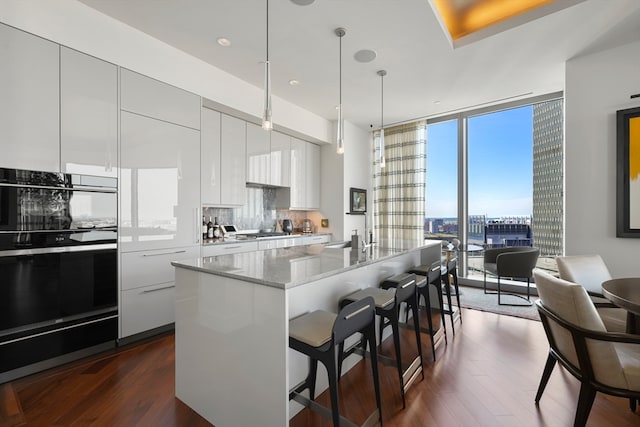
column 602, row 361
column 511, row 261
column 590, row 271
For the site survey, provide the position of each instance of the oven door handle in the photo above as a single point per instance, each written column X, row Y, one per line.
column 58, row 250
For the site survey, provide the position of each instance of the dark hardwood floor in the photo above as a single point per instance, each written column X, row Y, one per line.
column 487, row 375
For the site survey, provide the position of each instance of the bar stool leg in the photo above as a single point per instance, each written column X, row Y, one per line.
column 448, row 292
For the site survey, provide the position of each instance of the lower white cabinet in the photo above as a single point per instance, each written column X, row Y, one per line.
column 147, row 288
column 143, row 309
column 313, row 240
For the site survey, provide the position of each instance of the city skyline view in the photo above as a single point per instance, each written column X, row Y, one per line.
column 500, row 176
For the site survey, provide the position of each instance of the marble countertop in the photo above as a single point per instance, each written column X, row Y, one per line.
column 286, row 268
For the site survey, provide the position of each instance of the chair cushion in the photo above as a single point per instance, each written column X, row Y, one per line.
column 314, row 329
column 614, row 319
column 382, row 297
column 629, row 355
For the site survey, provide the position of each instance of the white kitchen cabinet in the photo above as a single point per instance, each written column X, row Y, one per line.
column 210, row 181
column 280, row 159
column 316, row 239
column 152, row 98
column 233, row 152
column 159, row 184
column 143, row 309
column 29, row 101
column 147, row 292
column 229, row 248
column 304, row 193
column 88, row 114
column 312, row 182
column 258, row 155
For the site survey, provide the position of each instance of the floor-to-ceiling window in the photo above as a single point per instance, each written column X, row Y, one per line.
column 494, row 178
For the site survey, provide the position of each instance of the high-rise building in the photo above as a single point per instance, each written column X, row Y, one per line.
column 547, row 176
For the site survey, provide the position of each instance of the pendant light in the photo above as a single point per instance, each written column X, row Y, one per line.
column 382, row 73
column 267, row 123
column 340, row 32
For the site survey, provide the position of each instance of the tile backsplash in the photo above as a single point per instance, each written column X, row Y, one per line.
column 259, row 213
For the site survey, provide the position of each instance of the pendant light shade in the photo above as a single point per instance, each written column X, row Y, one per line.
column 382, row 73
column 340, row 32
column 267, row 123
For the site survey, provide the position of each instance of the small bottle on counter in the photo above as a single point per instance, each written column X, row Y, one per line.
column 217, row 231
column 210, row 229
column 205, row 228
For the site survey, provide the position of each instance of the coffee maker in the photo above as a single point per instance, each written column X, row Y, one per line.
column 287, row 226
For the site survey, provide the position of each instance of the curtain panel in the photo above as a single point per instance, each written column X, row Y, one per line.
column 399, row 187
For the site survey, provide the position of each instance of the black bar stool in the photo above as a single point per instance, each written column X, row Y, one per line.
column 433, row 275
column 387, row 306
column 318, row 335
column 450, row 278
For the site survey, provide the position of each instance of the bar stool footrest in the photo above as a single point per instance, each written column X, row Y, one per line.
column 371, row 421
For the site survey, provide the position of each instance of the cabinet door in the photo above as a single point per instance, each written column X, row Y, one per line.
column 29, row 101
column 258, row 155
column 149, row 97
column 298, row 174
column 210, row 181
column 280, row 159
column 159, row 184
column 312, row 183
column 233, row 161
column 88, row 114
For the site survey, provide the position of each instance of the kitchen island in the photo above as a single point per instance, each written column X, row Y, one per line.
column 233, row 362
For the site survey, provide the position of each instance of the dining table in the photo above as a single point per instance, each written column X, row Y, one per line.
column 625, row 293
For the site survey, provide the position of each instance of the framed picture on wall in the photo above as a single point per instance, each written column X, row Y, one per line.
column 628, row 173
column 358, row 198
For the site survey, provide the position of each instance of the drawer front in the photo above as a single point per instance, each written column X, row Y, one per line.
column 267, row 244
column 231, row 248
column 285, row 243
column 147, row 308
column 312, row 240
column 146, row 268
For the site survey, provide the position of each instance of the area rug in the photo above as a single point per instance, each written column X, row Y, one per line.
column 476, row 299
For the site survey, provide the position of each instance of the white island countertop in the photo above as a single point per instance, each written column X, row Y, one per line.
column 286, row 268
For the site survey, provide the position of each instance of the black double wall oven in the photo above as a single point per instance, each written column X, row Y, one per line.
column 58, row 268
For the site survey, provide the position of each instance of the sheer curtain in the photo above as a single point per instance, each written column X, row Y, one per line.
column 399, row 187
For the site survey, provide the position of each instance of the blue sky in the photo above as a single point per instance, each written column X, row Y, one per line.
column 500, row 165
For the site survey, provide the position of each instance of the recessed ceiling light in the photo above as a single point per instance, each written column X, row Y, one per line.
column 365, row 55
column 222, row 41
column 294, row 82
column 302, row 2
column 436, row 102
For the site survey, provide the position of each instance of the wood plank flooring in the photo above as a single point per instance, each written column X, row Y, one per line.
column 487, row 375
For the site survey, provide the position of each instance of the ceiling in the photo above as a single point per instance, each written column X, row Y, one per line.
column 428, row 73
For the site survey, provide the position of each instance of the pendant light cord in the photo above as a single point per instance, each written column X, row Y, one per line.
column 267, row 30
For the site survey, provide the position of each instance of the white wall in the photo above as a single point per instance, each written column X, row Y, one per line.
column 339, row 173
column 77, row 26
column 596, row 86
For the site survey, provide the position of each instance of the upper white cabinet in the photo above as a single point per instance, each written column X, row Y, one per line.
column 29, row 101
column 258, row 155
column 159, row 184
column 280, row 159
column 88, row 114
column 305, row 175
column 152, row 98
column 210, row 179
column 233, row 158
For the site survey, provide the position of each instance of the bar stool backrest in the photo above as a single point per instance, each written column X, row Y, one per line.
column 353, row 318
column 406, row 290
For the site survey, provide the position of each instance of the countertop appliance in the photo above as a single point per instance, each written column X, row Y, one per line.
column 287, row 226
column 307, row 226
column 59, row 269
